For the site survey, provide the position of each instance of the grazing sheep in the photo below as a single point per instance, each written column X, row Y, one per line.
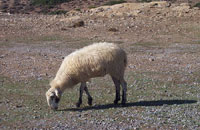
column 95, row 60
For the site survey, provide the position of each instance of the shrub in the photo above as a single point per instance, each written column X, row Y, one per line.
column 92, row 6
column 48, row 2
column 113, row 2
column 155, row 0
column 57, row 12
column 197, row 5
column 144, row 0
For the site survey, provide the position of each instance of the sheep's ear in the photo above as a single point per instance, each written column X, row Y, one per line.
column 58, row 93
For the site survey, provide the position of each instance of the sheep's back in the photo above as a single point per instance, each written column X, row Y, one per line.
column 94, row 60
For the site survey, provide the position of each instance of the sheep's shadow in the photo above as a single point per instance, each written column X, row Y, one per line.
column 132, row 104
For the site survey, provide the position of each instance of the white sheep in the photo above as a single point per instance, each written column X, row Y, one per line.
column 95, row 60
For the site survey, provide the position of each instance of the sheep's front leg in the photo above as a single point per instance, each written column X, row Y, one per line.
column 82, row 87
column 89, row 96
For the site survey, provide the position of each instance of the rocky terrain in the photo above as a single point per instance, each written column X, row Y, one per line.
column 28, row 7
column 162, row 40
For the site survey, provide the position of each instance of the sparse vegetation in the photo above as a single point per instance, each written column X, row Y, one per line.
column 154, row 0
column 197, row 5
column 78, row 9
column 57, row 12
column 145, row 94
column 92, row 6
column 114, row 2
column 48, row 2
column 144, row 0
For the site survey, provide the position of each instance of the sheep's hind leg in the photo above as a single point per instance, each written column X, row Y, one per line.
column 89, row 96
column 82, row 87
column 117, row 87
column 124, row 86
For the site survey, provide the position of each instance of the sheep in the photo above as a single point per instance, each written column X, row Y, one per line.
column 80, row 66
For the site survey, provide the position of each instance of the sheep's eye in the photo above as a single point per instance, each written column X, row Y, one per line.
column 51, row 97
column 57, row 99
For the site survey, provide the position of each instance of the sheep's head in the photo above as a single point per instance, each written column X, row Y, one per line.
column 53, row 96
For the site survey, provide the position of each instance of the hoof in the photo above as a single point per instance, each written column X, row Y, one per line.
column 123, row 102
column 116, row 102
column 90, row 101
column 78, row 105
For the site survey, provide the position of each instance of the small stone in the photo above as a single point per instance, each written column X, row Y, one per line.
column 63, row 29
column 151, row 59
column 78, row 24
column 18, row 106
column 2, row 56
column 113, row 30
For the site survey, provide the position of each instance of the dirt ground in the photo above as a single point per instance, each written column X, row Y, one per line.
column 162, row 41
